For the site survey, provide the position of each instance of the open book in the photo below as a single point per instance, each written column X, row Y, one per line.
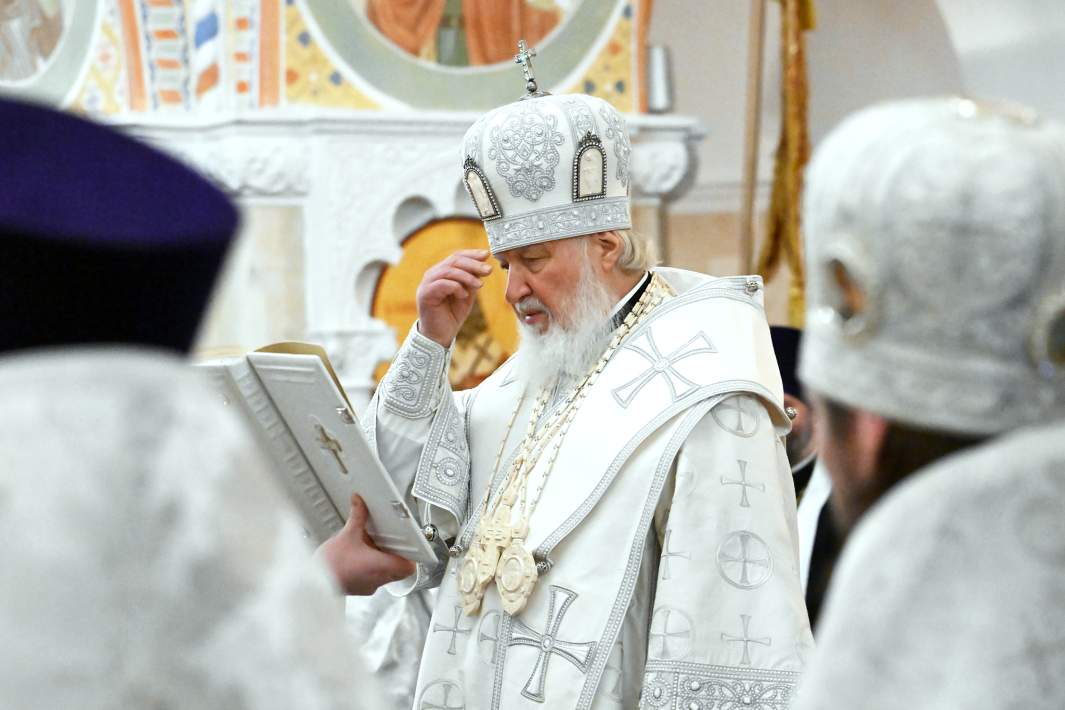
column 294, row 400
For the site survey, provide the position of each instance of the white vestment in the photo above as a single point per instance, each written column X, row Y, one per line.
column 951, row 591
column 148, row 559
column 668, row 524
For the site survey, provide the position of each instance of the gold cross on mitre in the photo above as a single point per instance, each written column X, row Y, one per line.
column 524, row 58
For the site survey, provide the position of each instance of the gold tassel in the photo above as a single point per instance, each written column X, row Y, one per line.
column 783, row 236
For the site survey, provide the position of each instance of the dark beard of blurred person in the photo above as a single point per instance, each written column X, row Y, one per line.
column 859, row 477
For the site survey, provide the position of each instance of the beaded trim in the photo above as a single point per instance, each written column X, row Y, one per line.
column 471, row 166
column 589, row 142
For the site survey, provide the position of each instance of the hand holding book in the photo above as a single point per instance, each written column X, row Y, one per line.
column 359, row 566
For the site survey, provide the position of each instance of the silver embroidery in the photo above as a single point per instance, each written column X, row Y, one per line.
column 593, row 147
column 672, row 633
column 525, row 150
column 580, row 117
column 635, row 559
column 667, row 554
column 488, row 637
column 746, row 639
column 738, row 415
column 744, row 485
column 505, row 624
column 442, row 695
column 412, row 380
column 548, row 643
column 448, row 471
column 615, row 131
column 430, row 576
column 480, row 191
column 658, row 692
column 472, row 147
column 695, row 685
column 454, row 438
column 559, row 223
column 663, row 366
column 614, row 674
column 744, row 560
column 455, row 630
column 447, row 457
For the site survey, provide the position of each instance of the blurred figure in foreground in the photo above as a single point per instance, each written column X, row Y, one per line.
column 935, row 345
column 148, row 558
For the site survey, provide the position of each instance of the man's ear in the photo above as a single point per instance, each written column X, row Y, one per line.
column 869, row 431
column 608, row 247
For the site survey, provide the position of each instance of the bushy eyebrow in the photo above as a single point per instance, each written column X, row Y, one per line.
column 536, row 249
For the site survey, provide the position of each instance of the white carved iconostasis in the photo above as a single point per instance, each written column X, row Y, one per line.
column 336, row 125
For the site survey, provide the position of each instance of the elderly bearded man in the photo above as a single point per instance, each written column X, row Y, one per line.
column 613, row 506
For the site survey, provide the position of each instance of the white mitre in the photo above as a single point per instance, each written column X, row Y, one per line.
column 148, row 560
column 936, row 266
column 548, row 167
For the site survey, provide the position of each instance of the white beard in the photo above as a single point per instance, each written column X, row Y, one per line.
column 568, row 352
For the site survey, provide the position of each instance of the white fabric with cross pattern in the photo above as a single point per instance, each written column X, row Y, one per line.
column 652, row 532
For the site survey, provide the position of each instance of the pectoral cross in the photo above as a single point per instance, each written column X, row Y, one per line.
column 524, row 58
column 497, row 532
column 327, row 442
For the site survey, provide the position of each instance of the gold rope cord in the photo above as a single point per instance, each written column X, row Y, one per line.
column 783, row 235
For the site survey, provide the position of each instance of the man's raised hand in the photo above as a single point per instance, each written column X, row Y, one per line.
column 446, row 293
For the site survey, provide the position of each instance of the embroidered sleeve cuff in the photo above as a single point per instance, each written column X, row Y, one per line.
column 424, row 577
column 443, row 476
column 414, row 382
column 679, row 684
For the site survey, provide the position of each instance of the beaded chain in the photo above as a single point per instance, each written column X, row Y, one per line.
column 497, row 549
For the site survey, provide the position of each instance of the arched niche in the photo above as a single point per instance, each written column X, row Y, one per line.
column 489, row 335
column 411, row 215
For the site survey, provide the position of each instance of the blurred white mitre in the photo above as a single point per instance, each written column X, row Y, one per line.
column 935, row 236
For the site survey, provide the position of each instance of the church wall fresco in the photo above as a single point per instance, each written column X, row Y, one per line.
column 116, row 57
column 323, row 155
column 310, row 75
column 105, row 88
column 44, row 46
column 30, row 33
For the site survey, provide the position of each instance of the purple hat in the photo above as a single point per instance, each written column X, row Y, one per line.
column 102, row 239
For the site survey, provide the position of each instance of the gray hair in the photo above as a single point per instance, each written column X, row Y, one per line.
column 637, row 251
